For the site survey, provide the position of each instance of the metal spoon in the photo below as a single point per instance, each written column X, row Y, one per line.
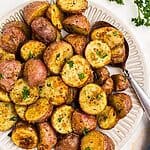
column 142, row 96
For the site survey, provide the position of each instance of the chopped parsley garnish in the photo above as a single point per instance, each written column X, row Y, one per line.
column 99, row 96
column 14, row 118
column 118, row 1
column 103, row 118
column 59, row 119
column 88, row 148
column 57, row 56
column 104, row 55
column 70, row 63
column 85, row 131
column 115, row 33
column 25, row 92
column 30, row 55
column 1, row 76
column 81, row 76
column 98, row 53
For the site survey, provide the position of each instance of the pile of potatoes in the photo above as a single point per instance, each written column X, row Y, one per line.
column 55, row 90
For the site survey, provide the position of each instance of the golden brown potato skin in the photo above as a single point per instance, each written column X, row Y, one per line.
column 83, row 123
column 77, row 24
column 120, row 82
column 70, row 141
column 35, row 72
column 47, row 135
column 43, row 29
column 9, row 72
column 122, row 104
column 78, row 42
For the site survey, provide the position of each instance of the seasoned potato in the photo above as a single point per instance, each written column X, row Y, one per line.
column 55, row 90
column 122, row 104
column 107, row 119
column 98, row 54
column 71, row 6
column 76, row 72
column 43, row 29
column 9, row 72
column 48, row 138
column 95, row 140
column 70, row 141
column 8, row 116
column 34, row 10
column 11, row 39
column 32, row 49
column 78, row 42
column 59, row 36
column 22, row 94
column 55, row 15
column 71, row 95
column 40, row 111
column 108, row 86
column 20, row 110
column 4, row 97
column 77, row 24
column 35, row 72
column 92, row 99
column 56, row 55
column 61, row 119
column 25, row 136
column 83, row 123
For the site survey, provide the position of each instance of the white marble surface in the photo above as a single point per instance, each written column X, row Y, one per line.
column 140, row 140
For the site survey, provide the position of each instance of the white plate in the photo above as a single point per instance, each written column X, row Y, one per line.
column 122, row 132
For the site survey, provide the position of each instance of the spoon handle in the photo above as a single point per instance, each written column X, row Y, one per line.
column 143, row 98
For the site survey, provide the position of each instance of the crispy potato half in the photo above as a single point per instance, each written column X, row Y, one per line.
column 20, row 110
column 61, row 119
column 56, row 55
column 95, row 140
column 98, row 54
column 107, row 119
column 122, row 103
column 92, row 99
column 8, row 116
column 71, row 6
column 40, row 111
column 32, row 49
column 24, row 136
column 34, row 10
column 77, row 24
column 22, row 94
column 4, row 96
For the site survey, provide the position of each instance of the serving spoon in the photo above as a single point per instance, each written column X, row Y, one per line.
column 142, row 96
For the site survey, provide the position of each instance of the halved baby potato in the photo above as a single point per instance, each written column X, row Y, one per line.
column 25, row 136
column 56, row 55
column 98, row 54
column 34, row 10
column 76, row 72
column 8, row 116
column 22, row 94
column 20, row 110
column 107, row 119
column 55, row 90
column 92, row 99
column 4, row 96
column 61, row 119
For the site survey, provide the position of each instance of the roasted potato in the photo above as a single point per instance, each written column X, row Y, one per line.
column 4, row 96
column 108, row 86
column 78, row 42
column 120, row 82
column 35, row 72
column 9, row 72
column 32, row 49
column 34, row 10
column 59, row 36
column 83, row 123
column 92, row 99
column 71, row 95
column 55, row 90
column 107, row 119
column 48, row 138
column 71, row 6
column 95, row 140
column 43, row 29
column 40, row 111
column 122, row 104
column 56, row 55
column 98, row 54
column 55, row 15
column 61, row 119
column 25, row 136
column 22, row 94
column 8, row 116
column 77, row 24
column 76, row 72
column 70, row 141
column 20, row 110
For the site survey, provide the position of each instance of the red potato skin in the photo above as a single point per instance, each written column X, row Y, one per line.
column 35, row 72
column 9, row 71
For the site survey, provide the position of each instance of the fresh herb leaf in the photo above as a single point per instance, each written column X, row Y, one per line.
column 30, row 55
column 59, row 119
column 81, row 76
column 87, row 148
column 25, row 92
column 104, row 55
column 1, row 76
column 98, row 53
column 70, row 63
column 14, row 118
column 99, row 96
column 85, row 131
column 115, row 33
column 118, row 1
column 57, row 56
